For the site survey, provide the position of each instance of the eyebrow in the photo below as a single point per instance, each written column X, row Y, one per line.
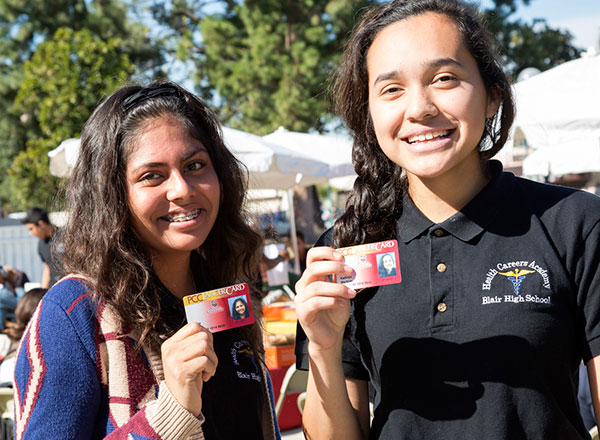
column 436, row 63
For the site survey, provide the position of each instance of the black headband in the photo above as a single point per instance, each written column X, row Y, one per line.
column 147, row 93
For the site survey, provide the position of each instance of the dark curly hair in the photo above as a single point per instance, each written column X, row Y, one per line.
column 98, row 239
column 376, row 202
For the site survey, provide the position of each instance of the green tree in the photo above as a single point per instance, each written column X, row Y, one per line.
column 523, row 45
column 62, row 84
column 264, row 63
column 26, row 24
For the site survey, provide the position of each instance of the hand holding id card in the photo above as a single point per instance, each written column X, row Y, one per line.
column 220, row 309
column 373, row 264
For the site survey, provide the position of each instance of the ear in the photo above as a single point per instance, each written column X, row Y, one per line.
column 494, row 99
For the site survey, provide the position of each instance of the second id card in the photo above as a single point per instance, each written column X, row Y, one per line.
column 220, row 309
column 374, row 264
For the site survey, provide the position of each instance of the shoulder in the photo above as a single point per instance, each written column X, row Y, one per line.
column 552, row 192
column 64, row 327
column 70, row 293
column 69, row 306
column 566, row 216
column 326, row 238
column 569, row 205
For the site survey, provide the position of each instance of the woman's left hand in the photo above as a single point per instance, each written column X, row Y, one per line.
column 189, row 360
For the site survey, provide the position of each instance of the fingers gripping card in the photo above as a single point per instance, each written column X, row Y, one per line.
column 373, row 264
column 220, row 309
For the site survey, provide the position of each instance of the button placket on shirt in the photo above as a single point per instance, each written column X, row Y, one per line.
column 441, row 279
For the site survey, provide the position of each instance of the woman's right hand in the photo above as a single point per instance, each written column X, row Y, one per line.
column 322, row 306
column 189, row 360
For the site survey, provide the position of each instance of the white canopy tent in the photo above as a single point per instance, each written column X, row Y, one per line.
column 272, row 165
column 558, row 115
column 333, row 149
column 63, row 157
column 581, row 155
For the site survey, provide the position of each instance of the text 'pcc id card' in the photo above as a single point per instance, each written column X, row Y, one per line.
column 220, row 309
column 373, row 264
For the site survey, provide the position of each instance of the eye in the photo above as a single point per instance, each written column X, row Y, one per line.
column 195, row 166
column 391, row 90
column 150, row 176
column 446, row 79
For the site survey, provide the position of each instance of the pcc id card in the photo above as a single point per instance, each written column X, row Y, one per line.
column 220, row 309
column 373, row 264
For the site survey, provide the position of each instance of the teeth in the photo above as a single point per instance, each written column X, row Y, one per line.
column 427, row 136
column 183, row 217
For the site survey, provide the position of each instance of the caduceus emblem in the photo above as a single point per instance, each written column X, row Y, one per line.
column 516, row 277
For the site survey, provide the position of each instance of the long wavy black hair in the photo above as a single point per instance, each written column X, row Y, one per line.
column 376, row 201
column 98, row 239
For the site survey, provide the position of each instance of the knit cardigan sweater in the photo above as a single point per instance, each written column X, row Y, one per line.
column 78, row 376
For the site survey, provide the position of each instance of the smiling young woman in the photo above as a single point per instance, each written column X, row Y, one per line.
column 499, row 299
column 156, row 212
column 173, row 192
column 429, row 104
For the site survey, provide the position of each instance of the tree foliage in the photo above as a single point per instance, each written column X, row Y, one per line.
column 24, row 25
column 62, row 84
column 523, row 45
column 266, row 61
column 29, row 180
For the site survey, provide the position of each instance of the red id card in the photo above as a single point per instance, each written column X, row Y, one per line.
column 373, row 264
column 220, row 309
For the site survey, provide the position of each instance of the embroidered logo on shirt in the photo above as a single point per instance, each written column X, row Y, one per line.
column 517, row 273
column 516, row 277
column 244, row 361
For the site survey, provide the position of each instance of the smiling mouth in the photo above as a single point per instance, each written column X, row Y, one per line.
column 433, row 135
column 182, row 217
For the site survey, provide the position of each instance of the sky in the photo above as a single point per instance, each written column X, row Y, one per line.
column 580, row 17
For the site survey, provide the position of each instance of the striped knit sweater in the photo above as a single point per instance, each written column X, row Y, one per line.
column 78, row 376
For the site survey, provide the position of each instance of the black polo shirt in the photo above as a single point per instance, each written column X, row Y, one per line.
column 497, row 306
column 50, row 257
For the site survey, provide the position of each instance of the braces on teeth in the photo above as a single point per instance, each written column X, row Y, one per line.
column 183, row 217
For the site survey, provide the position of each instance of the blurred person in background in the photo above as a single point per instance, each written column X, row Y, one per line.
column 39, row 226
column 12, row 288
column 302, row 250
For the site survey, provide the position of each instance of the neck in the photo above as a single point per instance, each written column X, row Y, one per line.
column 49, row 231
column 441, row 197
column 175, row 273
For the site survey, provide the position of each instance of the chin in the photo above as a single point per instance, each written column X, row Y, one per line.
column 431, row 169
column 187, row 245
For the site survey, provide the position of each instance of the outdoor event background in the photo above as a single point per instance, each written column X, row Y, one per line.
column 261, row 65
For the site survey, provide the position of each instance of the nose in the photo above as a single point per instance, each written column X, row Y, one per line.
column 420, row 105
column 179, row 187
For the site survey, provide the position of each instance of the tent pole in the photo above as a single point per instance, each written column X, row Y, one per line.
column 290, row 195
